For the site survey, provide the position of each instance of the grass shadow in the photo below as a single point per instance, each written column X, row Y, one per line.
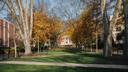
column 33, row 68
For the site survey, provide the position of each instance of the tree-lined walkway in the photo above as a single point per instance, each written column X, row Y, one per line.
column 67, row 64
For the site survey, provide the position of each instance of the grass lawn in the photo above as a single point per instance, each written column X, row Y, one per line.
column 67, row 58
column 71, row 57
column 30, row 68
column 62, row 56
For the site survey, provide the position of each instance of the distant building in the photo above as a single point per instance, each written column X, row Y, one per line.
column 64, row 40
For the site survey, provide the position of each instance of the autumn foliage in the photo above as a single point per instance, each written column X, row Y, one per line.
column 45, row 28
column 84, row 30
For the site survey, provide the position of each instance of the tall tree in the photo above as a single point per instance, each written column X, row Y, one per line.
column 83, row 32
column 125, row 11
column 46, row 28
column 108, row 26
column 22, row 14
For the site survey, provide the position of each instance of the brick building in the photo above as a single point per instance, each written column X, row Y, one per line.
column 7, row 33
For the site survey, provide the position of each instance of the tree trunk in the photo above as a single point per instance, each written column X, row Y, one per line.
column 109, row 40
column 22, row 23
column 125, row 10
column 106, row 35
column 113, row 23
column 27, row 46
column 108, row 27
column 91, row 47
column 96, row 41
column 38, row 46
column 15, row 47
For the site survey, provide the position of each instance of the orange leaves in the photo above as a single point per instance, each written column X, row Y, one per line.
column 39, row 30
column 84, row 28
column 44, row 26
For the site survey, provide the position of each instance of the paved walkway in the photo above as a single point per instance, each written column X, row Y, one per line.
column 67, row 64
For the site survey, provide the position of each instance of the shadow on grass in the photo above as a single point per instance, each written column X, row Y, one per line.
column 76, row 56
column 98, row 58
column 31, row 68
column 72, row 50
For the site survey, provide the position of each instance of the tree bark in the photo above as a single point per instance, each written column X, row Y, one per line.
column 15, row 47
column 125, row 10
column 27, row 46
column 22, row 23
column 38, row 45
column 96, row 41
column 108, row 27
column 113, row 23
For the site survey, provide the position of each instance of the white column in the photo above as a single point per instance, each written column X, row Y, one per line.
column 4, row 39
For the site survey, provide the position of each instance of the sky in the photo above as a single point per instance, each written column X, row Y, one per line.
column 56, row 7
column 2, row 13
column 73, row 8
column 63, row 9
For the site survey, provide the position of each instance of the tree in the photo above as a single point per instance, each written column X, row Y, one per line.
column 55, row 30
column 108, row 26
column 20, row 14
column 46, row 28
column 38, row 35
column 41, row 26
column 83, row 33
column 125, row 11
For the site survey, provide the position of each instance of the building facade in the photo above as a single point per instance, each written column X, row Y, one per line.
column 65, row 40
column 7, row 33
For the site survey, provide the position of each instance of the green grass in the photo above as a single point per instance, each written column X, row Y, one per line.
column 61, row 56
column 54, row 52
column 32, row 68
column 68, row 58
column 71, row 57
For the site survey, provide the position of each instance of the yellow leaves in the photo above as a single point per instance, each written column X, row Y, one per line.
column 84, row 27
column 45, row 27
column 39, row 26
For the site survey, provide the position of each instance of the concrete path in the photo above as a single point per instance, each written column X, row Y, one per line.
column 67, row 64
